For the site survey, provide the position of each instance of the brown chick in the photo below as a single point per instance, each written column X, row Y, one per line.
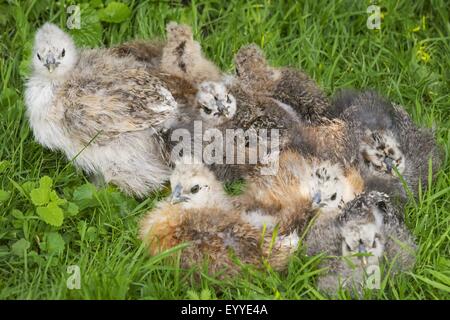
column 300, row 187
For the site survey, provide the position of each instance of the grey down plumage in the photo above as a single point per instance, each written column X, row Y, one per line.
column 387, row 140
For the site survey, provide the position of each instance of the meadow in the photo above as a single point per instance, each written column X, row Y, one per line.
column 52, row 217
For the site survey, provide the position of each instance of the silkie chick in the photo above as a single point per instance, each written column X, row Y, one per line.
column 388, row 143
column 102, row 110
column 200, row 213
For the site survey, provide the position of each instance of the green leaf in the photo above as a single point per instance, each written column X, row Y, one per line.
column 17, row 214
column 46, row 182
column 205, row 294
column 115, row 12
column 40, row 196
column 72, row 209
column 28, row 186
column 51, row 214
column 4, row 165
column 56, row 199
column 4, row 195
column 83, row 196
column 34, row 257
column 19, row 247
column 90, row 32
column 96, row 3
column 54, row 243
column 192, row 295
column 91, row 234
column 84, row 192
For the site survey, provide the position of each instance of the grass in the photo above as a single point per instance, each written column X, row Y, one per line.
column 407, row 61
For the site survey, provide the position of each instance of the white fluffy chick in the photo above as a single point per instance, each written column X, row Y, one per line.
column 195, row 186
column 102, row 110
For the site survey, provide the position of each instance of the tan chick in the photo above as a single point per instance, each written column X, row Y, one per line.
column 301, row 188
column 201, row 214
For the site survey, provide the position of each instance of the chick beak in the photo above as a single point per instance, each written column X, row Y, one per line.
column 50, row 63
column 221, row 107
column 176, row 196
column 389, row 164
column 362, row 250
column 317, row 198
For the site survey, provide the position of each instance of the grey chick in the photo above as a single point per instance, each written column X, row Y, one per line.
column 367, row 232
column 246, row 123
column 388, row 141
column 201, row 214
column 289, row 86
column 101, row 110
column 225, row 106
column 228, row 104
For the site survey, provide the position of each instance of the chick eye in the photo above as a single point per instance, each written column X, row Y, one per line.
column 207, row 110
column 333, row 197
column 63, row 53
column 195, row 188
column 215, row 98
column 382, row 206
column 39, row 57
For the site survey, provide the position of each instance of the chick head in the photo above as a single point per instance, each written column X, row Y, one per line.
column 216, row 103
column 194, row 185
column 381, row 153
column 362, row 228
column 54, row 52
